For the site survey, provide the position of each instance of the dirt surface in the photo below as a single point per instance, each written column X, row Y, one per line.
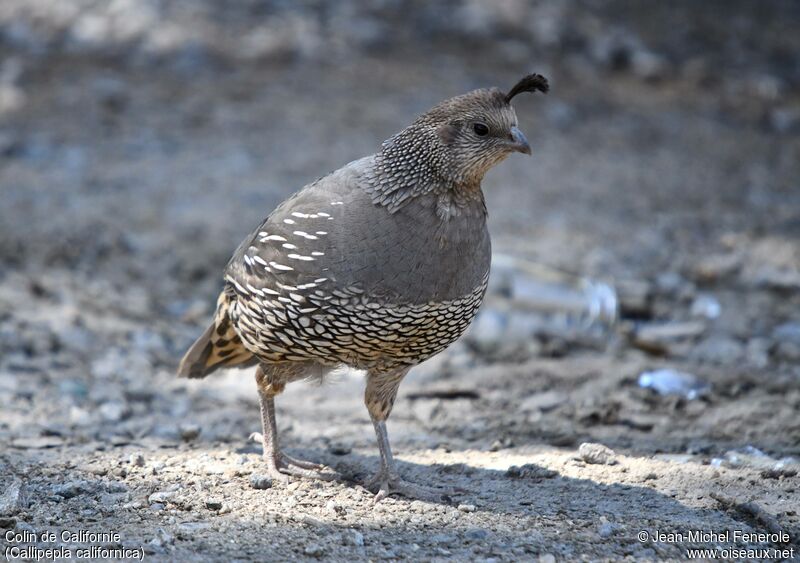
column 133, row 161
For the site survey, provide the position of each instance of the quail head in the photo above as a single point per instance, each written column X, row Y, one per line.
column 378, row 265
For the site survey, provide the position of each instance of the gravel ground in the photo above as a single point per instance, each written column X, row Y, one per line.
column 139, row 142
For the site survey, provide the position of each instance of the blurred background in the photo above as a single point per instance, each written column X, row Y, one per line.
column 141, row 140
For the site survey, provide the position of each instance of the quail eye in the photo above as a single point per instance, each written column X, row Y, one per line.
column 480, row 129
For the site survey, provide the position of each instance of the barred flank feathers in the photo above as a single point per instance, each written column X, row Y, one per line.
column 218, row 346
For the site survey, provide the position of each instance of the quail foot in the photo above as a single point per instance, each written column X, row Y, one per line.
column 379, row 266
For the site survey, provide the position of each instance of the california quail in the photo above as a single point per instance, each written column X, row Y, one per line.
column 378, row 265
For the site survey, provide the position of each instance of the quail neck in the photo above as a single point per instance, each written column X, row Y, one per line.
column 447, row 151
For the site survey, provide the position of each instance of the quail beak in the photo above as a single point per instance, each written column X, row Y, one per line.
column 518, row 141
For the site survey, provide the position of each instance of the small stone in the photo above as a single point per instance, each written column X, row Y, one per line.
column 722, row 350
column 314, row 550
column 356, row 538
column 136, row 459
column 335, row 507
column 13, row 499
column 476, row 534
column 648, row 65
column 597, row 454
column 189, row 432
column 39, row 442
column 547, row 558
column 213, row 503
column 635, row 298
column 443, row 539
column 162, row 538
column 706, row 306
column 530, row 471
column 715, row 267
column 70, row 490
column 161, row 497
column 157, row 506
column 659, row 336
column 116, row 487
column 787, row 332
column 501, row 444
column 784, row 120
column 7, row 522
column 607, row 530
column 788, row 351
column 339, row 449
column 259, row 481
column 114, row 411
column 757, row 352
column 545, row 401
column 467, row 507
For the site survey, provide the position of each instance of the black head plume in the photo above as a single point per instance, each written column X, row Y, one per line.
column 530, row 83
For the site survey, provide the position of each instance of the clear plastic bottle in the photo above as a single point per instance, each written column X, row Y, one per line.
column 527, row 299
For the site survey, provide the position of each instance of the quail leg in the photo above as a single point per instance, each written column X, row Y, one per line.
column 280, row 465
column 387, row 481
column 379, row 397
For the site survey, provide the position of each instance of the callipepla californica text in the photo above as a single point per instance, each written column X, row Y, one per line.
column 378, row 265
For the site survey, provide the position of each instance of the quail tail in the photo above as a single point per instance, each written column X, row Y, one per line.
column 218, row 346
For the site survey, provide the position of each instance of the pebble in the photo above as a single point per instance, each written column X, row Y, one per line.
column 339, row 449
column 706, row 306
column 597, row 454
column 213, row 503
column 189, row 432
column 722, row 350
column 661, row 334
column 547, row 558
column 23, row 526
column 476, row 534
column 114, row 411
column 259, row 481
column 787, row 332
column 545, row 401
column 7, row 522
column 715, row 267
column 784, row 120
column 757, row 352
column 314, row 550
column 606, row 530
column 136, row 459
column 161, row 496
column 788, row 351
column 635, row 298
column 162, row 539
column 71, row 489
column 36, row 443
column 356, row 538
column 467, row 507
column 13, row 499
column 530, row 471
column 335, row 507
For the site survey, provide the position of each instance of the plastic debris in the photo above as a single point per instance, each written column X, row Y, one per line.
column 556, row 302
column 706, row 306
column 672, row 382
column 753, row 458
